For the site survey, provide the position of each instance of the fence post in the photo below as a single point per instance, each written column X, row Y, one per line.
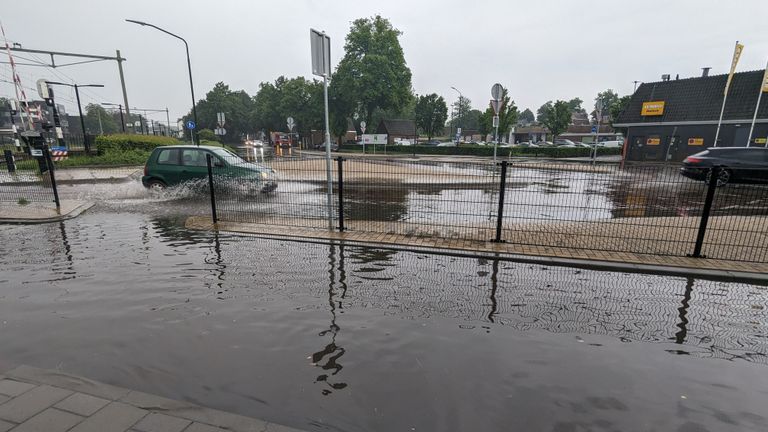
column 49, row 162
column 714, row 174
column 210, row 187
column 340, row 161
column 500, row 213
column 9, row 161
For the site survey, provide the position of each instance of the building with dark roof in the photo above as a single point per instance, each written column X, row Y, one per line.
column 669, row 120
column 396, row 128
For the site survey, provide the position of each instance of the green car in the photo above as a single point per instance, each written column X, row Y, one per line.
column 173, row 165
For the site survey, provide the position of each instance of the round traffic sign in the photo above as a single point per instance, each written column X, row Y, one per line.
column 191, row 124
column 496, row 91
column 362, row 125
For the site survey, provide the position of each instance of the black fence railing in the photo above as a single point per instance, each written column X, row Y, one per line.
column 632, row 208
column 25, row 178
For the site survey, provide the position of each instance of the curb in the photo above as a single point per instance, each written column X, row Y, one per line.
column 77, row 211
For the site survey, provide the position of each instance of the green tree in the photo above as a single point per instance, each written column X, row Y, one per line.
column 575, row 104
column 94, row 112
column 507, row 116
column 372, row 74
column 431, row 114
column 557, row 117
column 608, row 98
column 526, row 117
column 461, row 114
column 543, row 112
column 617, row 107
column 207, row 135
column 237, row 106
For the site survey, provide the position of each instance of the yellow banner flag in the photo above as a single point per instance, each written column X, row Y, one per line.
column 734, row 62
column 765, row 81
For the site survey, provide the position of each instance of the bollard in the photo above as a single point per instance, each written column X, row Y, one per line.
column 49, row 163
column 500, row 213
column 208, row 158
column 340, row 161
column 714, row 173
column 10, row 161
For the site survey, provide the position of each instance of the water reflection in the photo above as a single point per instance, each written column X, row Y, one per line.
column 683, row 312
column 327, row 358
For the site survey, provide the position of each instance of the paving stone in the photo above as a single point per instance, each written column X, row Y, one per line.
column 115, row 417
column 5, row 426
column 82, row 404
column 199, row 427
column 50, row 420
column 156, row 422
column 32, row 402
column 70, row 382
column 14, row 388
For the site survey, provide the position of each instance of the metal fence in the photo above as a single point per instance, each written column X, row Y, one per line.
column 565, row 205
column 24, row 178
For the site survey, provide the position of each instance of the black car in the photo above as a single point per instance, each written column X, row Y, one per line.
column 321, row 146
column 737, row 165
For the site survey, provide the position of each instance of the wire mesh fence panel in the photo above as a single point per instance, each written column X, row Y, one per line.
column 27, row 183
column 425, row 199
column 283, row 191
column 646, row 209
column 737, row 229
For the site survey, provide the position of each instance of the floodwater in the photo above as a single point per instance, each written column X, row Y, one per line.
column 339, row 338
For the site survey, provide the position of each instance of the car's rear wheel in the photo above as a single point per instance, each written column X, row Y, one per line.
column 156, row 186
column 723, row 176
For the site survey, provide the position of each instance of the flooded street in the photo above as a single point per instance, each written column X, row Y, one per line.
column 341, row 338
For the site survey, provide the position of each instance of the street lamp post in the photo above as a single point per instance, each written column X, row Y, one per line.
column 461, row 98
column 86, row 144
column 189, row 68
column 120, row 107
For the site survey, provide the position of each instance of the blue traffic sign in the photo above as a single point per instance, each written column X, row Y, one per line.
column 594, row 129
column 190, row 124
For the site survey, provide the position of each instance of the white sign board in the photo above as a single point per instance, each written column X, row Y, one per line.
column 496, row 104
column 374, row 139
column 496, row 91
column 42, row 89
column 495, row 121
column 220, row 119
column 321, row 53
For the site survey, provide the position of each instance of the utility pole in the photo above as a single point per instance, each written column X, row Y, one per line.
column 122, row 83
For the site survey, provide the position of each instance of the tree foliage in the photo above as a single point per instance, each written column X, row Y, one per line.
column 297, row 97
column 543, row 112
column 557, row 117
column 109, row 124
column 608, row 98
column 575, row 104
column 373, row 74
column 236, row 106
column 461, row 115
column 617, row 107
column 431, row 114
column 526, row 117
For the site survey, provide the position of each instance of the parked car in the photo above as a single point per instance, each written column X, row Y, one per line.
column 447, row 144
column 565, row 143
column 527, row 144
column 321, row 146
column 544, row 144
column 403, row 141
column 173, row 165
column 737, row 165
column 432, row 143
column 611, row 144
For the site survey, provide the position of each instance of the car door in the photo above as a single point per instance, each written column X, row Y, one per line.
column 167, row 166
column 194, row 166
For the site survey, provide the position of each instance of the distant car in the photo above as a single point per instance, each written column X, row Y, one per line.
column 321, row 146
column 611, row 144
column 173, row 165
column 737, row 165
column 545, row 144
column 447, row 144
column 527, row 144
column 403, row 141
column 432, row 143
column 565, row 143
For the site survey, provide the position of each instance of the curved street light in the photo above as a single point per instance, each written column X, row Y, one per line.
column 189, row 67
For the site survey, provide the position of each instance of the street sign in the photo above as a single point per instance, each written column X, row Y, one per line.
column 594, row 129
column 220, row 119
column 42, row 89
column 191, row 124
column 496, row 104
column 321, row 53
column 496, row 91
column 290, row 123
column 495, row 121
column 220, row 131
column 362, row 126
column 458, row 131
column 36, row 152
column 375, row 139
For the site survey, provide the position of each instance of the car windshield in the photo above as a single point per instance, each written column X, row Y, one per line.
column 234, row 159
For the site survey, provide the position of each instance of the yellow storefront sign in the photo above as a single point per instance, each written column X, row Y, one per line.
column 654, row 108
column 653, row 141
column 695, row 141
column 760, row 140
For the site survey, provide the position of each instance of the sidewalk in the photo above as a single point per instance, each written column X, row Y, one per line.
column 73, row 175
column 38, row 400
column 41, row 212
column 565, row 256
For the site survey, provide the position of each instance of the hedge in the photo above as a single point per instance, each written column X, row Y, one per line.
column 553, row 152
column 122, row 143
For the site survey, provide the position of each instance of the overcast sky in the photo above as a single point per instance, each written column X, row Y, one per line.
column 539, row 50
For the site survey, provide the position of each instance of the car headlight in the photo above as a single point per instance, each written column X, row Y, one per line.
column 264, row 175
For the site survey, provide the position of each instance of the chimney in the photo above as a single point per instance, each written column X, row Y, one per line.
column 677, row 77
column 705, row 71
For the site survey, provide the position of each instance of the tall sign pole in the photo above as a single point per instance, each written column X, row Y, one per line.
column 763, row 89
column 496, row 93
column 321, row 66
column 736, row 54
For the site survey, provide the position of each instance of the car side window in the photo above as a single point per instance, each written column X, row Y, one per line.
column 193, row 157
column 168, row 157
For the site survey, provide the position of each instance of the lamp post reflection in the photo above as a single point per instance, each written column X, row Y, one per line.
column 327, row 358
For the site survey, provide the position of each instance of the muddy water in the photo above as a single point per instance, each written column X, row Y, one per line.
column 325, row 337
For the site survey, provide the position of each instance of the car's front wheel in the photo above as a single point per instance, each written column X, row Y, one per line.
column 723, row 176
column 156, row 186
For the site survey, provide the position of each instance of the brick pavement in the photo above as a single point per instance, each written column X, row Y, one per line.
column 38, row 400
